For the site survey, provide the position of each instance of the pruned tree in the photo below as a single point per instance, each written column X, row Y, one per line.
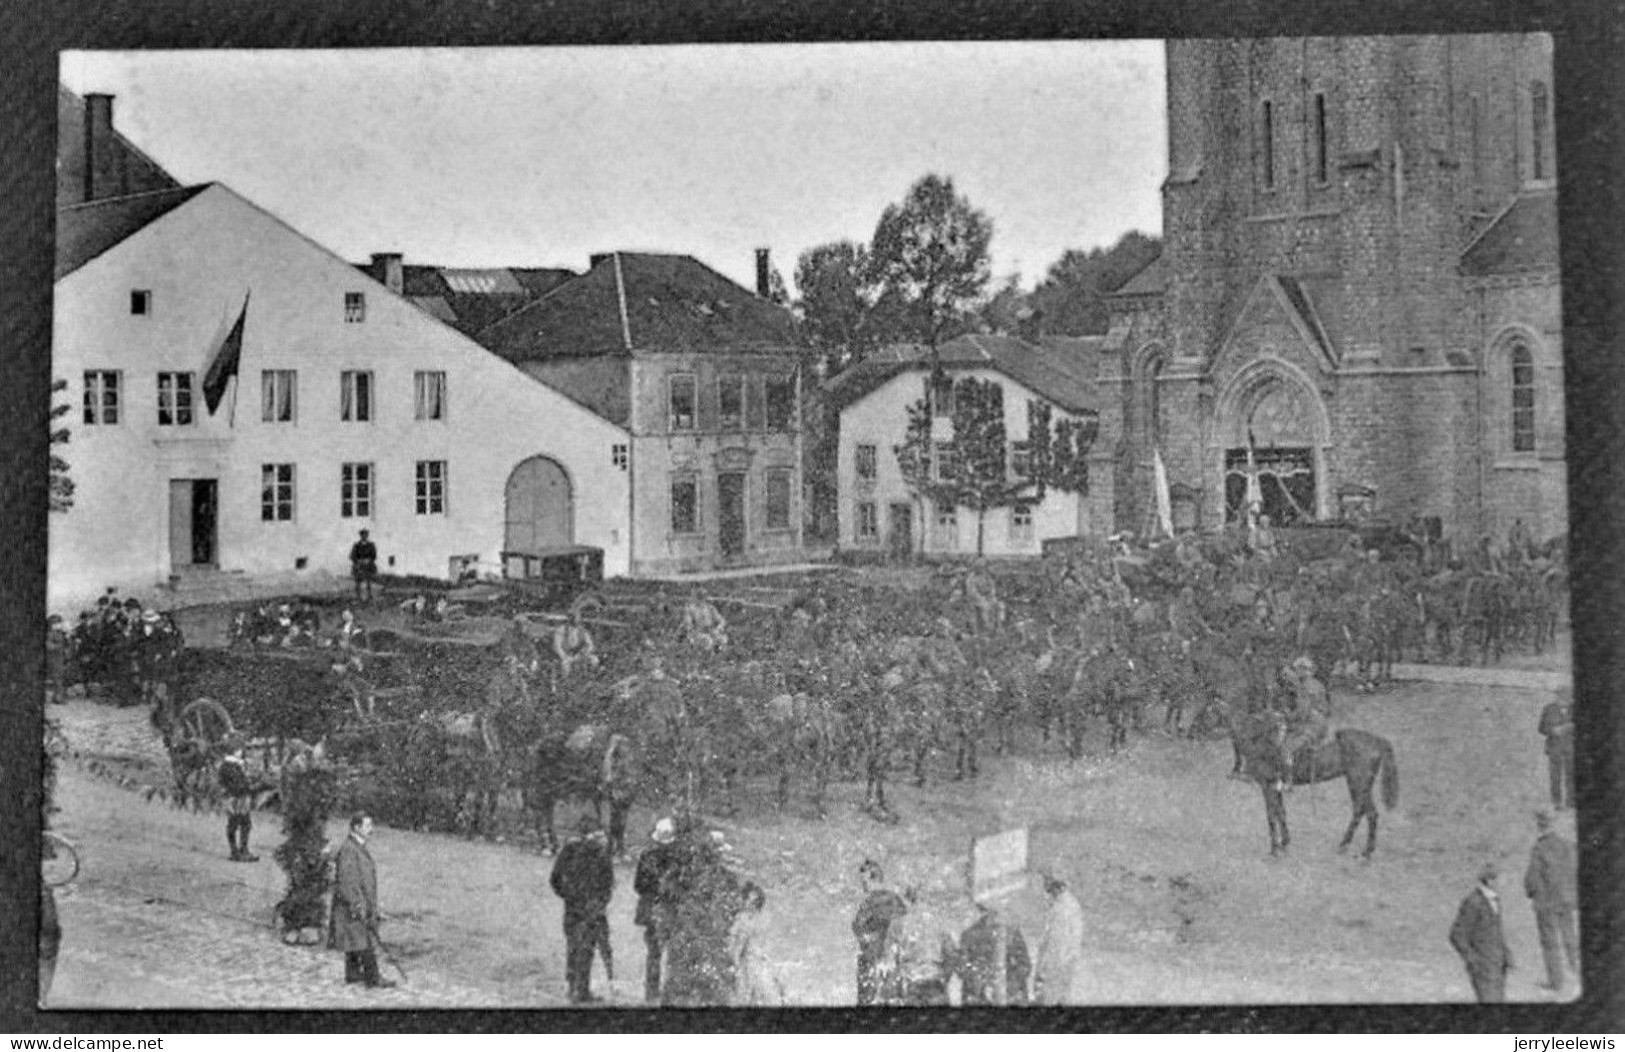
column 930, row 254
column 61, row 492
column 974, row 469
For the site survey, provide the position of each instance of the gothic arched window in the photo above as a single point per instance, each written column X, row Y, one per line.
column 1523, row 398
column 1540, row 125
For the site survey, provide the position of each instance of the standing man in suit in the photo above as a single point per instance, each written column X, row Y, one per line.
column 1557, row 727
column 364, row 564
column 656, row 867
column 1551, row 884
column 1477, row 935
column 584, row 877
column 353, row 926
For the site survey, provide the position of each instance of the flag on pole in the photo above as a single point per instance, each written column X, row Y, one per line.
column 1165, row 503
column 224, row 362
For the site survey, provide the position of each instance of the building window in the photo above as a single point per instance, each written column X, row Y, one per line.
column 947, row 462
column 780, row 396
column 681, row 397
column 1021, row 524
column 174, row 399
column 1266, row 137
column 1475, row 119
column 1021, row 460
column 355, row 396
column 1540, row 124
column 429, row 395
column 868, row 521
column 101, row 396
column 778, row 499
column 276, row 492
column 355, row 491
column 431, row 487
column 731, row 403
column 1322, row 156
column 619, row 455
column 947, row 522
column 355, row 306
column 866, row 461
column 279, row 395
column 141, row 302
column 685, row 505
column 1523, row 399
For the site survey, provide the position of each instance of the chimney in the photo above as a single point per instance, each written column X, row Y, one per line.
column 102, row 175
column 597, row 258
column 764, row 284
column 1030, row 324
column 386, row 267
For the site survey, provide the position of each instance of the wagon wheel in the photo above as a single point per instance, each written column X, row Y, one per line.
column 204, row 724
column 59, row 860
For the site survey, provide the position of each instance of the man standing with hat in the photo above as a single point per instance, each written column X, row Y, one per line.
column 1557, row 727
column 364, row 564
column 239, row 789
column 353, row 922
column 1550, row 882
column 584, row 877
column 656, row 867
column 1061, row 949
column 1478, row 936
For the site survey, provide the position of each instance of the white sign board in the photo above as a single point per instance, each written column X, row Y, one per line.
column 998, row 865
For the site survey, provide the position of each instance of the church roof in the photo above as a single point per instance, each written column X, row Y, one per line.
column 1522, row 239
column 1152, row 280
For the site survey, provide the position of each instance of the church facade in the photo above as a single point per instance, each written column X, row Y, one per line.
column 1356, row 313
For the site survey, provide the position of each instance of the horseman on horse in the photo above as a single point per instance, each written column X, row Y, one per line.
column 573, row 644
column 703, row 625
column 1309, row 720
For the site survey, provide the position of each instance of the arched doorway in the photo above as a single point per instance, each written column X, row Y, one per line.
column 1273, row 434
column 540, row 507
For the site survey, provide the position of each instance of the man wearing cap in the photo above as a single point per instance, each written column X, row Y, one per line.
column 881, row 907
column 364, row 564
column 584, row 877
column 1061, row 948
column 239, row 790
column 1550, row 883
column 1309, row 719
column 654, row 873
column 1477, row 935
column 353, row 920
column 1557, row 727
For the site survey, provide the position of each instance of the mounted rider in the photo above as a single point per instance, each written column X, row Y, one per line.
column 573, row 644
column 703, row 625
column 519, row 645
column 1309, row 720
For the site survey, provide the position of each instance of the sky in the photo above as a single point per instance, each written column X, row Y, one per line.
column 543, row 156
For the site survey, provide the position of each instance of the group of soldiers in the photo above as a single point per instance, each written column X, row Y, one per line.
column 122, row 646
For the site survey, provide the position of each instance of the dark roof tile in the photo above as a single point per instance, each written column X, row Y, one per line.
column 85, row 231
column 1063, row 377
column 1522, row 239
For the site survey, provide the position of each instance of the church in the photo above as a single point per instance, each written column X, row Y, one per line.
column 1356, row 313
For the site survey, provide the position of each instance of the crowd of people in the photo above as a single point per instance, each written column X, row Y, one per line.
column 118, row 646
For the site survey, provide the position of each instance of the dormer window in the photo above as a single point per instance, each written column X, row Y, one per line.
column 141, row 302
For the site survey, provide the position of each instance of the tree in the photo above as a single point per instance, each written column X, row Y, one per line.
column 1072, row 296
column 61, row 492
column 973, row 468
column 930, row 253
column 835, row 304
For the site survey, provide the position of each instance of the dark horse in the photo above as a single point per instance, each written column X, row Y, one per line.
column 593, row 763
column 1353, row 755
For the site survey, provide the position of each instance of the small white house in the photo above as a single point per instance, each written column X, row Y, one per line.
column 879, row 512
column 349, row 409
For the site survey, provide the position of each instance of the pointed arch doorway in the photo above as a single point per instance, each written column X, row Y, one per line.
column 540, row 507
column 1274, row 434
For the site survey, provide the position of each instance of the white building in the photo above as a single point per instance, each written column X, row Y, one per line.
column 351, row 409
column 878, row 511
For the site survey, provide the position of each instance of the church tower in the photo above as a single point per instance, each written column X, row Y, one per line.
column 1356, row 309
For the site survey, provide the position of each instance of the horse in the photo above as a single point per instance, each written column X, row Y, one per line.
column 593, row 763
column 1485, row 605
column 1358, row 757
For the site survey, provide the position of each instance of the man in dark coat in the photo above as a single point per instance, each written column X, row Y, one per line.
column 979, row 957
column 1550, row 883
column 584, row 877
column 655, row 867
column 881, row 907
column 364, row 564
column 1557, row 726
column 353, row 924
column 1477, row 935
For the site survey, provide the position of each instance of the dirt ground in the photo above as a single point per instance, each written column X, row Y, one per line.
column 1170, row 860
